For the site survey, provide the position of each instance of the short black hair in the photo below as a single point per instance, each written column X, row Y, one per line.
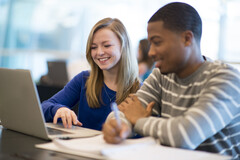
column 179, row 17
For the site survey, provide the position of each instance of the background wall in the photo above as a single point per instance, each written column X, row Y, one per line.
column 34, row 31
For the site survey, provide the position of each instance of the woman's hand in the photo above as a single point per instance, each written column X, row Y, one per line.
column 68, row 117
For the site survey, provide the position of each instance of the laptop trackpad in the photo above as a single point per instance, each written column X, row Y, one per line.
column 73, row 132
column 53, row 131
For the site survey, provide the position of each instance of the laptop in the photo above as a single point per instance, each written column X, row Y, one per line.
column 20, row 108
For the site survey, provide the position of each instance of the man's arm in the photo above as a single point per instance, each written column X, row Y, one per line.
column 216, row 106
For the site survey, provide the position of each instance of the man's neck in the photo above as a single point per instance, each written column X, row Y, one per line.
column 191, row 67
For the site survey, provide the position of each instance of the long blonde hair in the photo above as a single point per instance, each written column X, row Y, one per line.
column 128, row 69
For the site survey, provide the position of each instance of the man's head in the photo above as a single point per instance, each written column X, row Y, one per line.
column 174, row 32
column 179, row 17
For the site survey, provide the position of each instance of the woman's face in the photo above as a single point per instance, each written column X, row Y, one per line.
column 106, row 49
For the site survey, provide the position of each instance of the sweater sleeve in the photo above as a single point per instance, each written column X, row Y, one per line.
column 67, row 97
column 218, row 104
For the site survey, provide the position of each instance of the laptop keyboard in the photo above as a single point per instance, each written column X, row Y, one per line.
column 52, row 131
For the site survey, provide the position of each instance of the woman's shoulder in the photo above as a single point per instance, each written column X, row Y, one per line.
column 82, row 75
column 79, row 79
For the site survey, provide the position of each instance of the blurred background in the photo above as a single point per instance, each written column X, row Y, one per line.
column 33, row 32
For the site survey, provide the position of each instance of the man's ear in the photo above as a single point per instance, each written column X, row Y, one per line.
column 188, row 37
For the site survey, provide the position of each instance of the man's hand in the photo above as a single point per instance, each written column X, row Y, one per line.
column 68, row 117
column 133, row 109
column 112, row 133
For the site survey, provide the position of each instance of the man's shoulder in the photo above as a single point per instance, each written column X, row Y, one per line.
column 224, row 70
column 220, row 65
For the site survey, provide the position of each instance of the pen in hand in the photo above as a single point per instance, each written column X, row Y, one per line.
column 116, row 113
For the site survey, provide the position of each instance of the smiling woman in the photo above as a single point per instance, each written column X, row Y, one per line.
column 109, row 55
column 113, row 76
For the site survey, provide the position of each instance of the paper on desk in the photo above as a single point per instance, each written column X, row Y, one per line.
column 95, row 147
column 130, row 149
column 158, row 152
column 98, row 145
column 52, row 147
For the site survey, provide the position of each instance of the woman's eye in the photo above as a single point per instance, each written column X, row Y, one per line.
column 92, row 48
column 107, row 45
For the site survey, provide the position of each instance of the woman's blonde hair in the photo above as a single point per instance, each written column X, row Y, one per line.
column 128, row 70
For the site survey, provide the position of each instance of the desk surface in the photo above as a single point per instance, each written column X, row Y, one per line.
column 18, row 146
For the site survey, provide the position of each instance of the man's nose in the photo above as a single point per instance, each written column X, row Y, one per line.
column 151, row 52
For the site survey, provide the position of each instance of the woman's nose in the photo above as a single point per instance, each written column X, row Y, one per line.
column 100, row 51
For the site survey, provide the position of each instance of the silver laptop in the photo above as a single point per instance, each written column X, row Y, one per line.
column 20, row 108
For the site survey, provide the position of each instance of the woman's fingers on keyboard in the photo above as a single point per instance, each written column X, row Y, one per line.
column 68, row 117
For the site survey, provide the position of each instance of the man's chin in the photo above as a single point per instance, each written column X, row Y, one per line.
column 163, row 72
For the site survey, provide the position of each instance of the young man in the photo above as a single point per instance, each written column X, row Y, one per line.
column 188, row 101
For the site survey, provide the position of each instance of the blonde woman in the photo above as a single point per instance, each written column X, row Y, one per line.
column 113, row 76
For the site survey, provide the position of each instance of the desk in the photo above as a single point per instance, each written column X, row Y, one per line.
column 18, row 146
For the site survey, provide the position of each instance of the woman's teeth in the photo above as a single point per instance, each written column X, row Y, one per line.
column 103, row 59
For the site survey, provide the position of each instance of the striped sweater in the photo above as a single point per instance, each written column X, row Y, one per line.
column 199, row 112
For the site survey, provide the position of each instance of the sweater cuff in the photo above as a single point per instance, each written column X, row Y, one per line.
column 122, row 118
column 138, row 127
column 55, row 108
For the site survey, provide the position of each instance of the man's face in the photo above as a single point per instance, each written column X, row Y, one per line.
column 167, row 48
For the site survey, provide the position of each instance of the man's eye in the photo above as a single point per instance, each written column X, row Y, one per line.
column 157, row 43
